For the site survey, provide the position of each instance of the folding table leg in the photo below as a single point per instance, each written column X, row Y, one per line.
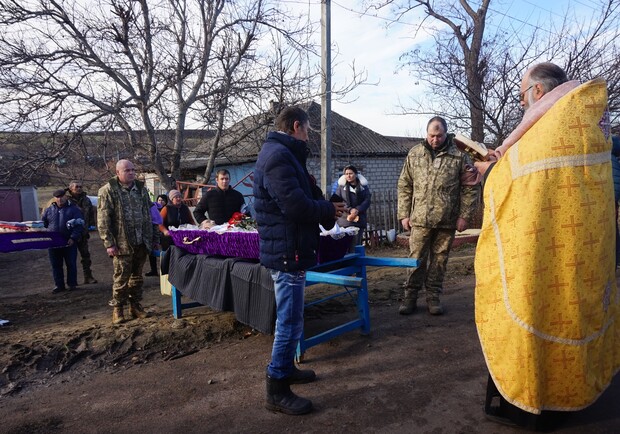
column 176, row 302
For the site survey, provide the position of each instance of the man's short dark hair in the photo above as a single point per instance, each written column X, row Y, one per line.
column 222, row 172
column 287, row 118
column 548, row 74
column 439, row 119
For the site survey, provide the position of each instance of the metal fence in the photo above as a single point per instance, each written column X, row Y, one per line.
column 383, row 222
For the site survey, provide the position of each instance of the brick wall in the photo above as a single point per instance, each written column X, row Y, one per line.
column 381, row 172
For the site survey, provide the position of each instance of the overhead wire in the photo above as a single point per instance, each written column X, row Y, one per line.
column 501, row 13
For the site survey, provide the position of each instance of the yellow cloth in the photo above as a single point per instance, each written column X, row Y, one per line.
column 165, row 286
column 546, row 299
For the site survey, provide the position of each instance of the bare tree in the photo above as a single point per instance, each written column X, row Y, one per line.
column 473, row 71
column 74, row 67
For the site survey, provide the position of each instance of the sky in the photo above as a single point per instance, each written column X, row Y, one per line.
column 375, row 47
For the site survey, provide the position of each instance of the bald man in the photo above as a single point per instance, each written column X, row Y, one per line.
column 128, row 234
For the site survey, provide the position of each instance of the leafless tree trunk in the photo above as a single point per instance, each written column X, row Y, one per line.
column 71, row 68
column 473, row 75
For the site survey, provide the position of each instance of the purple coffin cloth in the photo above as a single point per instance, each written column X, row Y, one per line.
column 230, row 244
column 246, row 244
column 16, row 241
column 331, row 249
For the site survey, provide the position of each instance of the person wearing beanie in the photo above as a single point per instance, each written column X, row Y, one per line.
column 175, row 214
column 63, row 217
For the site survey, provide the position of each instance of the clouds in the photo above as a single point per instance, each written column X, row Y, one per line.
column 371, row 45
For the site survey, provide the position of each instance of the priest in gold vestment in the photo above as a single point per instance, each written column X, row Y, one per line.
column 547, row 305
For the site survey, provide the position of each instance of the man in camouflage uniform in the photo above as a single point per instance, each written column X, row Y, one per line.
column 437, row 193
column 128, row 234
column 79, row 197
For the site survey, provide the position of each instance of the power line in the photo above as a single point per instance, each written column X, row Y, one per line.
column 498, row 12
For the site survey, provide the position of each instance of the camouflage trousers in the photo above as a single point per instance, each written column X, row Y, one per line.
column 431, row 246
column 82, row 246
column 128, row 278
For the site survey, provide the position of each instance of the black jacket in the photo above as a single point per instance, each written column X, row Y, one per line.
column 286, row 205
column 220, row 204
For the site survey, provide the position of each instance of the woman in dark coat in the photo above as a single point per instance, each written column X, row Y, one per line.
column 353, row 189
column 175, row 214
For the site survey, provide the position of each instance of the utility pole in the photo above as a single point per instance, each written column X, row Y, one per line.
column 326, row 99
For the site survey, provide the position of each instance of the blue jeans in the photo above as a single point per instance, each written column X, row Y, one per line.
column 289, row 292
column 68, row 255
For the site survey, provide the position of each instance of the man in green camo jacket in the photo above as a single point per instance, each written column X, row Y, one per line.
column 128, row 234
column 437, row 194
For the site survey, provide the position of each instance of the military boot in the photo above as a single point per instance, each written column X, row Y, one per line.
column 279, row 397
column 137, row 311
column 409, row 303
column 434, row 305
column 88, row 278
column 118, row 316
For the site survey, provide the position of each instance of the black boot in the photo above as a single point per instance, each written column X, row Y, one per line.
column 153, row 264
column 301, row 376
column 280, row 398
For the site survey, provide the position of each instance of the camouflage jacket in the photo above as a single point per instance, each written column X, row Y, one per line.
column 124, row 217
column 430, row 191
column 88, row 211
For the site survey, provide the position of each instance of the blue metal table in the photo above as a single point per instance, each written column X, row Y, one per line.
column 349, row 274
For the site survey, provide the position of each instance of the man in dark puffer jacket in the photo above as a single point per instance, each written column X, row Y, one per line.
column 288, row 215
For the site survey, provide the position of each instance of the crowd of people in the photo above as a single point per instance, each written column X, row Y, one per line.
column 547, row 192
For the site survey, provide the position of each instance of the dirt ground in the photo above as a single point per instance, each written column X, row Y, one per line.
column 66, row 369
